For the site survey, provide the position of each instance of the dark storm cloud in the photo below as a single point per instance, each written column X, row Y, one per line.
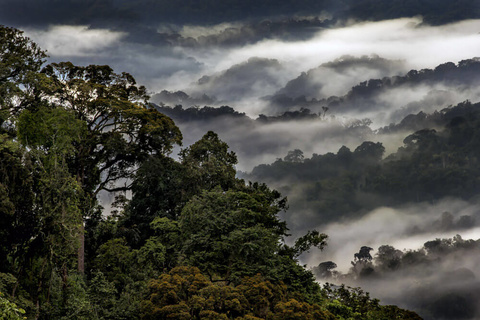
column 180, row 12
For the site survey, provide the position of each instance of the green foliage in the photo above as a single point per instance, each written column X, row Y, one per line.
column 354, row 303
column 122, row 129
column 103, row 296
column 53, row 130
column 232, row 233
column 77, row 302
column 20, row 60
column 17, row 224
column 115, row 260
column 152, row 253
column 312, row 238
column 158, row 191
column 209, row 164
column 9, row 310
column 431, row 165
column 162, row 186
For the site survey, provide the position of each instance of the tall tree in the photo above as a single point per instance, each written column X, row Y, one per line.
column 230, row 234
column 50, row 134
column 20, row 60
column 121, row 128
column 209, row 164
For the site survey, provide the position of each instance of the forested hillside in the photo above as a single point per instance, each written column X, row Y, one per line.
column 192, row 241
column 437, row 161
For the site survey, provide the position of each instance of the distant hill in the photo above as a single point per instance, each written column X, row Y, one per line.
column 440, row 85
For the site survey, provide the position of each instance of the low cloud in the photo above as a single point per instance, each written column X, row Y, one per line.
column 437, row 283
column 406, row 227
column 255, row 142
column 375, row 49
column 75, row 41
column 401, row 39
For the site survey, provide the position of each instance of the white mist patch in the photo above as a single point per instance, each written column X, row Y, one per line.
column 381, row 226
column 404, row 228
column 192, row 31
column 74, row 41
column 401, row 101
column 404, row 40
column 256, row 143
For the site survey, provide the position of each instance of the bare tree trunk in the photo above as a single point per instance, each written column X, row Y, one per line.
column 81, row 250
column 39, row 290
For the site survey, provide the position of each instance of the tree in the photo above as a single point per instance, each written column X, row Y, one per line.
column 388, row 258
column 312, row 238
column 324, row 269
column 362, row 263
column 9, row 310
column 20, row 60
column 186, row 293
column 295, row 156
column 208, row 164
column 51, row 133
column 162, row 186
column 231, row 234
column 17, row 224
column 121, row 129
column 363, row 254
column 369, row 152
column 158, row 190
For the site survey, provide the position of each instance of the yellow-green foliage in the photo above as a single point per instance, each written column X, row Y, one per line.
column 185, row 293
column 9, row 310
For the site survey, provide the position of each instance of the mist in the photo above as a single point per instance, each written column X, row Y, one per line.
column 406, row 227
column 255, row 142
column 427, row 287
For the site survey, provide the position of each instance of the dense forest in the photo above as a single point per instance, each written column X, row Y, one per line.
column 257, row 160
column 188, row 239
column 437, row 161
